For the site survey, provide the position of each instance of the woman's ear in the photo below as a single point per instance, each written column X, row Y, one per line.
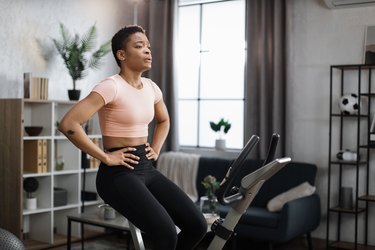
column 120, row 54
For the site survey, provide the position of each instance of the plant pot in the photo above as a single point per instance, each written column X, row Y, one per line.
column 220, row 144
column 74, row 94
column 106, row 212
column 30, row 203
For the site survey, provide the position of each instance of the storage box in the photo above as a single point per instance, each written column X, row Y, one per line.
column 60, row 197
column 88, row 196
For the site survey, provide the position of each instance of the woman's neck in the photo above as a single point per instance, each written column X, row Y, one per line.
column 132, row 79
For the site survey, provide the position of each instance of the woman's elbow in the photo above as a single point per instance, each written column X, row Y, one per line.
column 165, row 123
column 164, row 120
column 62, row 127
column 65, row 126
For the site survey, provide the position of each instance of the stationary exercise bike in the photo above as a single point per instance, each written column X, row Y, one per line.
column 239, row 198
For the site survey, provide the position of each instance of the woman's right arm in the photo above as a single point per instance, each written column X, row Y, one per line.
column 71, row 125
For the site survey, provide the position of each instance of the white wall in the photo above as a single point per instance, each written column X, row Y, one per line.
column 320, row 37
column 26, row 29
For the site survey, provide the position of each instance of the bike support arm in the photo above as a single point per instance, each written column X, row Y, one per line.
column 250, row 185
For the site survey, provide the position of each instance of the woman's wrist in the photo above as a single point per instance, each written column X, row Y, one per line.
column 105, row 157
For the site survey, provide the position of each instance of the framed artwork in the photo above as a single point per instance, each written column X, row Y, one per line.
column 369, row 53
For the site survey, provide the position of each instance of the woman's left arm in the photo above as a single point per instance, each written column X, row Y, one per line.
column 161, row 130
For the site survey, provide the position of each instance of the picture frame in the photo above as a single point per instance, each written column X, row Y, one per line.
column 369, row 48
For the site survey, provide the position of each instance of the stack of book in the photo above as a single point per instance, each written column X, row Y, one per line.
column 35, row 156
column 94, row 163
column 35, row 87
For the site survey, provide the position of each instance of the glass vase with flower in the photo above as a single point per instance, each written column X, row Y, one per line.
column 209, row 203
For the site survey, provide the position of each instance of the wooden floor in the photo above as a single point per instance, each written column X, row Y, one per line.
column 120, row 241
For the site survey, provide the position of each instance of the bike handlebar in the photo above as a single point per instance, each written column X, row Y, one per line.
column 232, row 172
column 236, row 167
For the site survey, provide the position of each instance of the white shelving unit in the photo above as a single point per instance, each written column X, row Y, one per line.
column 45, row 225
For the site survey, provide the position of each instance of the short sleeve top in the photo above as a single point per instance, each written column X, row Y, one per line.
column 127, row 110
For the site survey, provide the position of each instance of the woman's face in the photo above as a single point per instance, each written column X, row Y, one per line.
column 138, row 53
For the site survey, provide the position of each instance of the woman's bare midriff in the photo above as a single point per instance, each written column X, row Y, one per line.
column 116, row 142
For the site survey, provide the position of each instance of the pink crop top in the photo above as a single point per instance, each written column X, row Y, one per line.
column 127, row 110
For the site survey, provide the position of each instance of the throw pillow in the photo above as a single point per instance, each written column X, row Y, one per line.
column 302, row 190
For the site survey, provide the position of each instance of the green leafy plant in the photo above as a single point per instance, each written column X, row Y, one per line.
column 211, row 185
column 222, row 127
column 76, row 52
column 30, row 185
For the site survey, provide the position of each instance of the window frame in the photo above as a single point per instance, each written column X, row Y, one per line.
column 199, row 99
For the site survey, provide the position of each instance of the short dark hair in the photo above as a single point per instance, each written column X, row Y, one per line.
column 120, row 39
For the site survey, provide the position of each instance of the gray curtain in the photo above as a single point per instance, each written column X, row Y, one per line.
column 265, row 74
column 161, row 31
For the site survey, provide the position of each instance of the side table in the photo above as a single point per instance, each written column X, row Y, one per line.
column 119, row 223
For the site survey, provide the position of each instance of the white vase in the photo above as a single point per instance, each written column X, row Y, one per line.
column 30, row 203
column 220, row 144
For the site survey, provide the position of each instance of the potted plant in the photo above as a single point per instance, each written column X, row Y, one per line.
column 221, row 127
column 30, row 185
column 77, row 54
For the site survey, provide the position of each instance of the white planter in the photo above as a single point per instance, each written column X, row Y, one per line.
column 30, row 203
column 109, row 213
column 220, row 144
column 106, row 212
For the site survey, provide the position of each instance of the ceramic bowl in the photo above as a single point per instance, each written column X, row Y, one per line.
column 33, row 130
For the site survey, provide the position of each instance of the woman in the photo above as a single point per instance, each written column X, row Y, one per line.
column 126, row 179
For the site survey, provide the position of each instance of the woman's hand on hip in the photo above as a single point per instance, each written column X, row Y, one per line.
column 122, row 157
column 150, row 153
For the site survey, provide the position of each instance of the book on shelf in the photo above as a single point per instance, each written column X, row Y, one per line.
column 94, row 163
column 35, row 156
column 26, row 84
column 44, row 156
column 39, row 88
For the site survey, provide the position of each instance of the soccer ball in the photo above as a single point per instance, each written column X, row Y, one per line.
column 349, row 104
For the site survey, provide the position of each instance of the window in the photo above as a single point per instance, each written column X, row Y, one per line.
column 211, row 56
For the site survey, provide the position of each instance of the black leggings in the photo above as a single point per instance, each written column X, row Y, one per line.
column 152, row 203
